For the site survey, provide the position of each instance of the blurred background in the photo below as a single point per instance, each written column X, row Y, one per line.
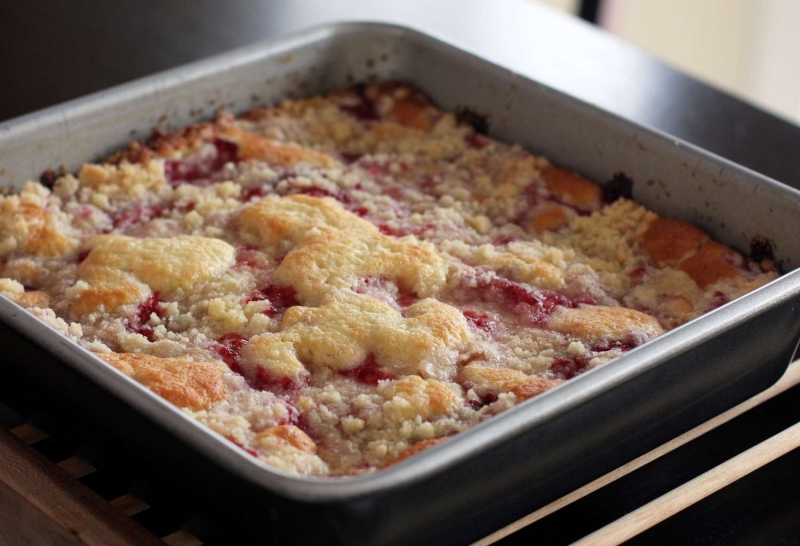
column 748, row 48
column 53, row 50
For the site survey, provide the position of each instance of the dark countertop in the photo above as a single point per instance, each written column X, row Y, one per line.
column 54, row 50
column 51, row 51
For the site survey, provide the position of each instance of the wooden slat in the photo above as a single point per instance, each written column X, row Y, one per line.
column 42, row 504
column 76, row 467
column 28, row 433
column 182, row 538
column 33, row 512
column 695, row 490
column 789, row 379
column 129, row 505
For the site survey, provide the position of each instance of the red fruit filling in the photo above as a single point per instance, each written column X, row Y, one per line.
column 479, row 320
column 625, row 346
column 364, row 109
column 350, row 157
column 257, row 191
column 266, row 381
column 479, row 141
column 248, row 256
column 368, row 373
column 294, row 415
column 566, row 368
column 189, row 170
column 138, row 323
column 535, row 304
column 503, row 240
column 418, row 231
column 386, row 229
column 637, row 272
column 719, row 300
column 280, row 298
column 229, row 348
column 405, row 299
column 485, row 400
column 85, row 212
column 138, row 214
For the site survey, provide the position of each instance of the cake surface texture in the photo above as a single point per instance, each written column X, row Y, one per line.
column 337, row 283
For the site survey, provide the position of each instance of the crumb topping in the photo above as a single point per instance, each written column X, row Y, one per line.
column 337, row 283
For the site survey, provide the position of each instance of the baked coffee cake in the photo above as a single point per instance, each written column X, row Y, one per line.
column 336, row 283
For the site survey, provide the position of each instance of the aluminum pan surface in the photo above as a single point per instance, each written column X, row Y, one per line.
column 30, row 143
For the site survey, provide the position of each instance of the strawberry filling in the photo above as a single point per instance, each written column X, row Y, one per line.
column 719, row 300
column 368, row 373
column 229, row 348
column 264, row 380
column 637, row 273
column 139, row 322
column 624, row 346
column 250, row 193
column 485, row 400
column 534, row 304
column 481, row 321
column 350, row 157
column 137, row 215
column 566, row 367
column 249, row 256
column 189, row 170
column 280, row 298
column 479, row 141
column 364, row 109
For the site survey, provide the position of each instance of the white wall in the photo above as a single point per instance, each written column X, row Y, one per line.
column 570, row 6
column 774, row 72
column 749, row 48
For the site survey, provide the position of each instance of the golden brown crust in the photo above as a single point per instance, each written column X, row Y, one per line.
column 107, row 289
column 348, row 248
column 285, row 222
column 275, row 356
column 252, row 146
column 427, row 398
column 593, row 323
column 668, row 240
column 347, row 328
column 184, row 382
column 709, row 265
column 43, row 238
column 483, row 380
column 406, row 106
column 34, row 298
column 125, row 179
column 415, row 449
column 571, row 188
column 167, row 143
column 290, row 435
column 164, row 264
column 550, row 219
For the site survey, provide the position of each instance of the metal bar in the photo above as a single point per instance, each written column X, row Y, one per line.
column 695, row 490
column 788, row 380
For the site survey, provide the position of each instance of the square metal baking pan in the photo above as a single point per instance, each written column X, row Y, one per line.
column 497, row 471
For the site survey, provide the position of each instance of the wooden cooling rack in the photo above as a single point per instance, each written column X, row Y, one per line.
column 49, row 495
